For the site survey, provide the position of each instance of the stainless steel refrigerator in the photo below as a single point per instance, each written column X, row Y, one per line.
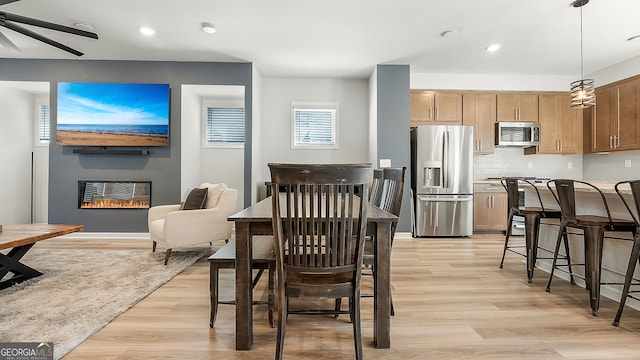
column 442, row 180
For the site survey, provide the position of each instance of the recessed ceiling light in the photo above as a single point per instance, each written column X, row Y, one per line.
column 493, row 47
column 209, row 28
column 633, row 38
column 145, row 30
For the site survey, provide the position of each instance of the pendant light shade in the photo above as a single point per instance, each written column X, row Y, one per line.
column 582, row 91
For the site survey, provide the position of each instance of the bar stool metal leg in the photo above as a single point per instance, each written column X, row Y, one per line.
column 635, row 257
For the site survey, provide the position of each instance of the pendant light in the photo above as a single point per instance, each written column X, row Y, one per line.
column 582, row 91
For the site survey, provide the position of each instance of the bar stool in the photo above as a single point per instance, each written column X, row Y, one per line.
column 593, row 226
column 532, row 217
column 635, row 249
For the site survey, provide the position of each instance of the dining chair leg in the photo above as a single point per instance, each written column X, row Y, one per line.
column 506, row 238
column 282, row 322
column 355, row 319
column 153, row 246
column 561, row 233
column 213, row 291
column 635, row 252
column 271, row 292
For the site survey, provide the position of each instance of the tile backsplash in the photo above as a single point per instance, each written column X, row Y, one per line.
column 513, row 162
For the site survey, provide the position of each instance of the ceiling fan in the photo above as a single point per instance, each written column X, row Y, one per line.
column 8, row 20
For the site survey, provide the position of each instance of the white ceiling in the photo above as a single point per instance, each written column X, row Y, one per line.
column 345, row 38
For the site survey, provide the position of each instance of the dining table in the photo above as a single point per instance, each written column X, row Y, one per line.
column 256, row 220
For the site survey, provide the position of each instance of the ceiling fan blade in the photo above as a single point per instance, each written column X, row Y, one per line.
column 44, row 39
column 45, row 24
column 8, row 44
column 3, row 2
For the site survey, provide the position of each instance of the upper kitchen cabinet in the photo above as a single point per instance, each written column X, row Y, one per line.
column 479, row 111
column 616, row 124
column 434, row 107
column 560, row 125
column 517, row 107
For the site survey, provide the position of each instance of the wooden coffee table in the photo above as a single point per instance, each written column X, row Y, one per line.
column 20, row 238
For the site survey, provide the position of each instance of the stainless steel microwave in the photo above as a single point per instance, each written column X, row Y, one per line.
column 517, row 133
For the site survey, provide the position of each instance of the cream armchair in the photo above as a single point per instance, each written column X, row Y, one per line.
column 174, row 228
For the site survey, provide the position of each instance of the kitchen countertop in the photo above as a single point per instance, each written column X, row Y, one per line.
column 607, row 187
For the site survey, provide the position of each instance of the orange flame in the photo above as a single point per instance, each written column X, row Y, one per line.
column 115, row 204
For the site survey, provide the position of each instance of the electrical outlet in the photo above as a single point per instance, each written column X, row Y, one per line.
column 385, row 163
column 627, row 163
column 569, row 165
column 530, row 165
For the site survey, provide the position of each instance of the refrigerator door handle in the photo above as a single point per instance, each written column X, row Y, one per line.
column 445, row 158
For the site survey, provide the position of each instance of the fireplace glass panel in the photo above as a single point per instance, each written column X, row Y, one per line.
column 114, row 195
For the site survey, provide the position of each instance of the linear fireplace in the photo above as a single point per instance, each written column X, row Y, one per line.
column 103, row 194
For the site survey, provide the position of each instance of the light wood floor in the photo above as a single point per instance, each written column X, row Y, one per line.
column 451, row 300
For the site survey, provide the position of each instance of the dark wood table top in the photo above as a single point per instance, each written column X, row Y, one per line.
column 261, row 212
column 14, row 235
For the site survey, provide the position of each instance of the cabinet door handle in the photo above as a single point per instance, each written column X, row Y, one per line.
column 611, row 142
column 480, row 144
column 430, row 113
column 616, row 141
column 436, row 113
column 560, row 141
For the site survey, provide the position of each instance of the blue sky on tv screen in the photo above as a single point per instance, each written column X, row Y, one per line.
column 113, row 104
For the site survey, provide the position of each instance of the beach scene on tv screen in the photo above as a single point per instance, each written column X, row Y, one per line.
column 109, row 114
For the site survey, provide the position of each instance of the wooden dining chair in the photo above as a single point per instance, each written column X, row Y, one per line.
column 635, row 249
column 319, row 225
column 391, row 202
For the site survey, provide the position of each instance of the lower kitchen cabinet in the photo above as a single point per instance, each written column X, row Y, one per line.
column 489, row 208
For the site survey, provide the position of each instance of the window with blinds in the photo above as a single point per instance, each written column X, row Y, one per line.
column 224, row 125
column 314, row 125
column 44, row 124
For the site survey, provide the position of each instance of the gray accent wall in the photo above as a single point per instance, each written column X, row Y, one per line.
column 161, row 166
column 393, row 142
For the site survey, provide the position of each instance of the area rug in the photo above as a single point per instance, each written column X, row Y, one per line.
column 81, row 291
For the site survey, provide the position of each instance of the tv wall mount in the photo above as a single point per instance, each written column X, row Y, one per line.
column 9, row 21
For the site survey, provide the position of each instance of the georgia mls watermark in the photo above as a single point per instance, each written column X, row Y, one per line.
column 26, row 351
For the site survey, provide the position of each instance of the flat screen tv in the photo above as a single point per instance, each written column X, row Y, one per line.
column 110, row 114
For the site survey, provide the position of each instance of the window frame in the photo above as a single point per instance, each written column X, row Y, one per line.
column 40, row 101
column 298, row 105
column 220, row 103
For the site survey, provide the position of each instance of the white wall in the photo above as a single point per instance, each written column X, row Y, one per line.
column 622, row 70
column 41, row 166
column 353, row 122
column 494, row 82
column 212, row 165
column 16, row 145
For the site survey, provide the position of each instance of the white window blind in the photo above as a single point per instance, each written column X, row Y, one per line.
column 44, row 124
column 314, row 125
column 224, row 125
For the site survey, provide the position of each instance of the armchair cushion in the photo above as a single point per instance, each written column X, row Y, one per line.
column 196, row 199
column 214, row 193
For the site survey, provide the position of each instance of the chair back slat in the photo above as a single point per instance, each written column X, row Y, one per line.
column 393, row 189
column 375, row 195
column 566, row 197
column 319, row 222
